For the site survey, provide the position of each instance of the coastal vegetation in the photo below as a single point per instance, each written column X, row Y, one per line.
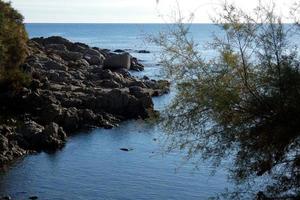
column 244, row 103
column 13, row 50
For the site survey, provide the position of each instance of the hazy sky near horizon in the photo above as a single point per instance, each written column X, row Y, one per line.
column 124, row 11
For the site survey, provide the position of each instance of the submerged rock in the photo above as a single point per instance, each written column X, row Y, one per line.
column 126, row 149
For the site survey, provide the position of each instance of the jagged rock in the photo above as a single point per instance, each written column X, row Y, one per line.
column 53, row 137
column 3, row 143
column 93, row 59
column 69, row 55
column 49, row 113
column 70, row 120
column 135, row 65
column 54, row 65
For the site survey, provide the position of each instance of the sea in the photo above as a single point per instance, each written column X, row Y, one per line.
column 91, row 165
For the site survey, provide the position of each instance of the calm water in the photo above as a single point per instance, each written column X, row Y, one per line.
column 91, row 166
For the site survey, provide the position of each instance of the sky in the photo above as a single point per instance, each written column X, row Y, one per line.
column 124, row 11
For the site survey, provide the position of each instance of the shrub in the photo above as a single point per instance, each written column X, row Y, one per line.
column 13, row 39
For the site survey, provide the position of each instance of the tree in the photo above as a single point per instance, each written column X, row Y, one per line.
column 245, row 102
column 13, row 39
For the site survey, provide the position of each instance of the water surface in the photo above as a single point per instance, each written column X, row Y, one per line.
column 91, row 166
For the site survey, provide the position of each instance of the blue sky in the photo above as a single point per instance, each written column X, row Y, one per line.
column 122, row 11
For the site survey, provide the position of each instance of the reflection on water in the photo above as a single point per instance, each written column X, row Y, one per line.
column 91, row 166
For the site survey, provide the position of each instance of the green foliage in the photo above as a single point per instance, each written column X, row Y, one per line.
column 13, row 38
column 14, row 80
column 243, row 103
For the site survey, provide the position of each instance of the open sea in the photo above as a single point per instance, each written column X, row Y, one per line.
column 91, row 166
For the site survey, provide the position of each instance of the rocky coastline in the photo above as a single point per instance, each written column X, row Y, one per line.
column 74, row 87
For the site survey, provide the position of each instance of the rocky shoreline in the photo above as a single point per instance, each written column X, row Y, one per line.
column 73, row 87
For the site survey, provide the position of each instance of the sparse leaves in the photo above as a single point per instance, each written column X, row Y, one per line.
column 245, row 102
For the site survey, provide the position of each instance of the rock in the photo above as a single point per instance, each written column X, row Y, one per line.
column 77, row 47
column 92, row 52
column 88, row 115
column 54, row 65
column 142, row 95
column 53, row 137
column 94, row 60
column 59, row 47
column 3, row 143
column 108, row 83
column 69, row 55
column 5, row 198
column 30, row 129
column 119, row 51
column 143, row 51
column 117, row 61
column 70, row 120
column 50, row 112
column 82, row 63
column 73, row 87
column 135, row 65
column 33, row 197
column 125, row 149
column 51, row 40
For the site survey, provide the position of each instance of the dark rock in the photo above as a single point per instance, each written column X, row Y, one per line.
column 94, row 60
column 143, row 51
column 135, row 65
column 51, row 40
column 53, row 137
column 5, row 198
column 119, row 51
column 70, row 120
column 59, row 47
column 92, row 52
column 3, row 143
column 33, row 197
column 50, row 112
column 54, row 65
column 108, row 83
column 69, row 55
column 125, row 149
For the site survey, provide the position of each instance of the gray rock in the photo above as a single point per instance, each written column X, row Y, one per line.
column 117, row 61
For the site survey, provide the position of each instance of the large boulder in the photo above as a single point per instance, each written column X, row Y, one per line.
column 117, row 61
